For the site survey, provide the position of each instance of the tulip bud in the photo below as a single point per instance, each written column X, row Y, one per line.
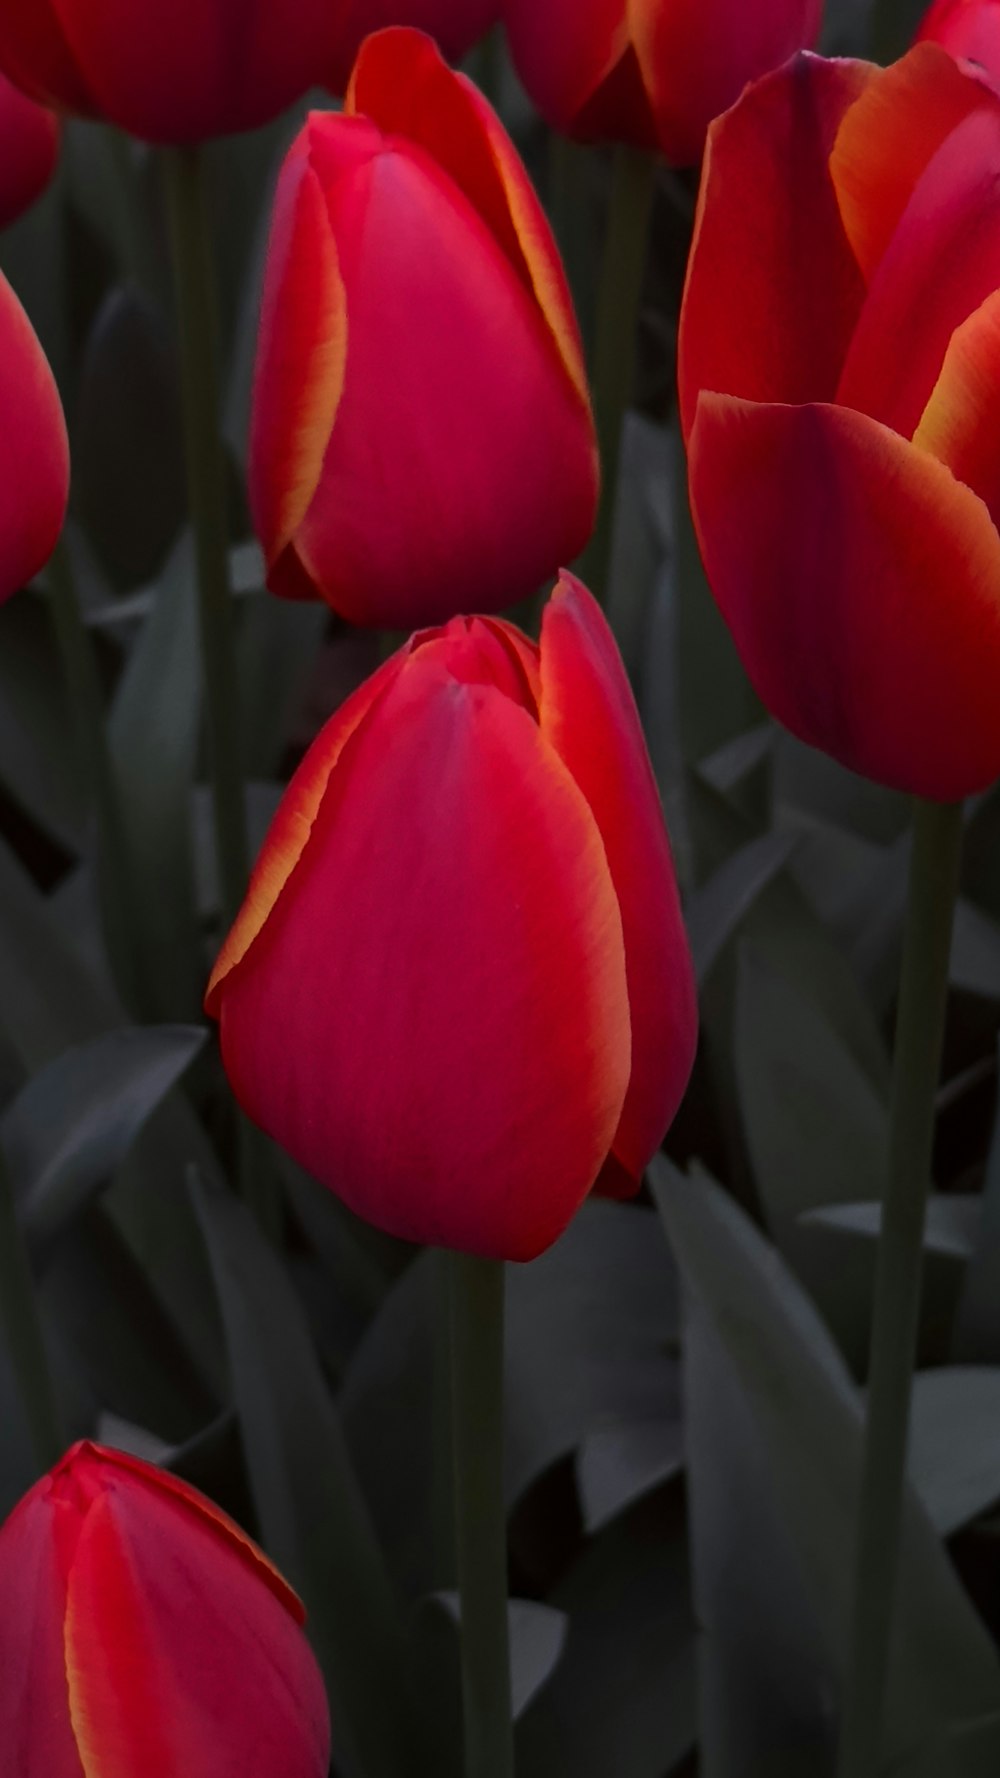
column 143, row 1635
column 654, row 74
column 29, row 151
column 839, row 376
column 456, row 25
column 459, row 990
column 170, row 71
column 421, row 421
column 968, row 30
column 34, row 484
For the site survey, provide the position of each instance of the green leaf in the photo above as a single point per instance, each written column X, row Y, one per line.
column 945, row 1673
column 718, row 909
column 278, row 646
column 952, row 1222
column 76, row 1119
column 39, row 762
column 976, row 1338
column 48, row 998
column 311, row 1512
column 617, row 1465
column 955, row 1443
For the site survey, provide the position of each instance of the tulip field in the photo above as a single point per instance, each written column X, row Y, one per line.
column 499, row 889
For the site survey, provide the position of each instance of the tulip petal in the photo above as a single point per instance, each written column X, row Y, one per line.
column 768, row 228
column 564, row 52
column 697, row 56
column 37, row 1741
column 177, row 1659
column 301, row 356
column 456, row 412
column 293, row 824
column 455, row 24
column 862, row 586
column 34, row 53
column 34, row 451
column 941, row 264
column 588, row 715
column 959, row 423
column 968, row 29
column 889, row 137
column 435, row 1019
column 401, row 81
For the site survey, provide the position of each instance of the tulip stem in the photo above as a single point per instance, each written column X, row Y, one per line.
column 23, row 1327
column 114, row 871
column 194, row 275
column 934, row 877
column 477, row 1294
column 618, row 308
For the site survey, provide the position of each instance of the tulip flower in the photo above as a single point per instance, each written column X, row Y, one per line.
column 459, row 990
column 170, row 71
column 968, row 29
column 840, row 392
column 34, row 484
column 456, row 25
column 421, row 422
column 29, row 151
column 144, row 1636
column 653, row 74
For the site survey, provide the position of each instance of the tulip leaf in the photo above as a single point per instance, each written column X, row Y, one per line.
column 39, row 759
column 278, row 646
column 717, row 910
column 76, row 1119
column 977, row 1319
column 617, row 1465
column 48, row 998
column 955, row 1443
column 807, row 1417
column 312, row 1515
column 952, row 1222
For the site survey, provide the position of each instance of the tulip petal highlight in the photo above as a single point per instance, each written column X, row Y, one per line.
column 862, row 586
column 588, row 715
column 959, row 423
column 499, row 999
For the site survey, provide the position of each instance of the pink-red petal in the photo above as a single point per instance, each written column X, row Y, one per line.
column 34, row 451
column 862, row 586
column 37, row 1741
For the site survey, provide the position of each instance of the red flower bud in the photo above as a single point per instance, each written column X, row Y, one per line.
column 143, row 1635
column 650, row 72
column 459, row 989
column 34, row 453
column 840, row 390
column 968, row 29
column 29, row 151
column 456, row 25
column 421, row 421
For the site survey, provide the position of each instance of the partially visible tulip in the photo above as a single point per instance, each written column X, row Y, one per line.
column 459, row 992
column 840, row 392
column 29, row 151
column 655, row 73
column 456, row 25
column 968, row 29
column 143, row 1636
column 170, row 71
column 421, row 423
column 34, row 452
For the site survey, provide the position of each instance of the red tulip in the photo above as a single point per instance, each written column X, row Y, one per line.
column 168, row 70
column 29, row 151
column 34, row 454
column 144, row 1636
column 968, row 29
column 650, row 72
column 455, row 24
column 459, row 989
column 421, row 421
column 840, row 389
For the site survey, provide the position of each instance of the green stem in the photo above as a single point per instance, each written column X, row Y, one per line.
column 934, row 876
column 618, row 309
column 477, row 1293
column 206, row 468
column 23, row 1328
column 117, row 899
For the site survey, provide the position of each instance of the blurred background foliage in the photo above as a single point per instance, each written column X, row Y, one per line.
column 684, row 1374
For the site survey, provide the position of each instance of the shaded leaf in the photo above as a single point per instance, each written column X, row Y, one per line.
column 955, row 1443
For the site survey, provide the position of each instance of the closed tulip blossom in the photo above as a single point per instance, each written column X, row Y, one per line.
column 34, row 453
column 421, row 422
column 170, row 71
column 143, row 1636
column 29, row 151
column 653, row 73
column 456, row 25
column 459, row 992
column 968, row 29
column 840, row 391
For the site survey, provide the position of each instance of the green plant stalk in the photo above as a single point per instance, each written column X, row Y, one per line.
column 477, row 1299
column 618, row 308
column 194, row 275
column 114, row 869
column 934, row 877
column 23, row 1327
